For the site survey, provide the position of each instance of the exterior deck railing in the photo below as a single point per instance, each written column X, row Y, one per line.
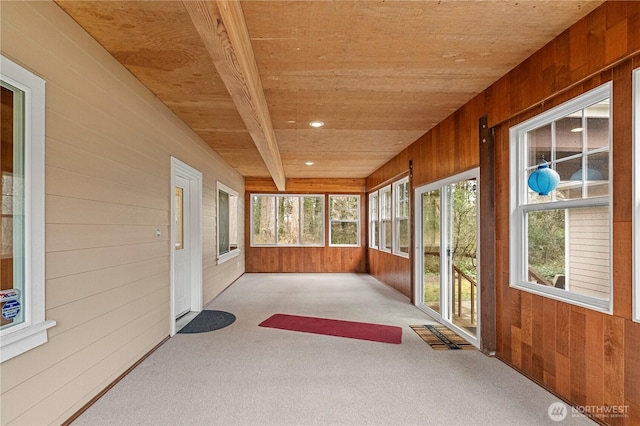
column 458, row 276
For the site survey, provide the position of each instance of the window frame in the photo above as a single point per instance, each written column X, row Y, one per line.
column 32, row 332
column 300, row 204
column 519, row 207
column 374, row 211
column 636, row 193
column 233, row 252
column 381, row 228
column 357, row 221
column 395, row 232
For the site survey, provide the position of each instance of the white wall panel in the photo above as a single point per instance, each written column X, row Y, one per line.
column 108, row 148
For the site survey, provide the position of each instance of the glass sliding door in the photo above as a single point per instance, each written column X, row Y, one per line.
column 463, row 256
column 430, row 253
column 447, row 257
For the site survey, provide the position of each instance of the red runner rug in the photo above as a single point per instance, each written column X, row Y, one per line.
column 331, row 327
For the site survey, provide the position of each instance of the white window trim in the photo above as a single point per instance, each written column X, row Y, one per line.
column 383, row 241
column 517, row 246
column 372, row 243
column 232, row 253
column 357, row 221
column 321, row 196
column 636, row 193
column 33, row 331
column 395, row 233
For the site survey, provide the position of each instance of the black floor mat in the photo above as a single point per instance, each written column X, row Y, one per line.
column 208, row 320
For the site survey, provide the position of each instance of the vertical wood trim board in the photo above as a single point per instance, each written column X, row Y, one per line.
column 487, row 238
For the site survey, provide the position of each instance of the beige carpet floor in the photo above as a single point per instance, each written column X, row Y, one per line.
column 249, row 375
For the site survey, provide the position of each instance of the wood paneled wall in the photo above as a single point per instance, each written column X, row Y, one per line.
column 108, row 147
column 394, row 271
column 586, row 357
column 449, row 148
column 306, row 259
column 581, row 355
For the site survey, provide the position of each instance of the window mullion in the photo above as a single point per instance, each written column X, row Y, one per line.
column 300, row 201
column 276, row 201
column 567, row 204
column 584, row 154
column 552, row 154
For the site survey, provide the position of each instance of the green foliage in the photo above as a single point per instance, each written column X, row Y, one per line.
column 344, row 233
column 288, row 220
column 263, row 219
column 344, row 214
column 312, row 220
column 546, row 235
column 464, row 226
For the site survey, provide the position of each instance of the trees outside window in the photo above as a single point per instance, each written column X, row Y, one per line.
column 386, row 226
column 561, row 241
column 374, row 224
column 344, row 220
column 401, row 217
column 287, row 220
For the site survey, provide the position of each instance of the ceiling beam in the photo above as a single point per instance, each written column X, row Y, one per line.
column 222, row 27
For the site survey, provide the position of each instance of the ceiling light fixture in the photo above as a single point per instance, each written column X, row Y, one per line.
column 309, row 163
column 316, row 123
column 577, row 130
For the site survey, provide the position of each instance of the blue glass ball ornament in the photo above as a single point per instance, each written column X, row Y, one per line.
column 543, row 180
column 591, row 174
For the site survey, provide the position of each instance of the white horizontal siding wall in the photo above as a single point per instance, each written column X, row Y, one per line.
column 108, row 148
column 589, row 251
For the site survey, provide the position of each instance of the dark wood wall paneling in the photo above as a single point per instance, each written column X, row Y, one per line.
column 306, row 259
column 450, row 147
column 585, row 357
column 393, row 270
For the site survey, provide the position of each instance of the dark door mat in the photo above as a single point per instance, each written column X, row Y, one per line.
column 440, row 337
column 208, row 320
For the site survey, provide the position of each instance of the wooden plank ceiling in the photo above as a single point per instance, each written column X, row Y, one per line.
column 250, row 76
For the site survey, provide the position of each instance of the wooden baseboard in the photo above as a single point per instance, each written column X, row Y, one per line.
column 553, row 392
column 93, row 400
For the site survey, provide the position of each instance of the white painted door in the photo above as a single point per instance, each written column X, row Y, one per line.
column 182, row 259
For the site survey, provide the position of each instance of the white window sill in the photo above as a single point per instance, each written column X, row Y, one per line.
column 401, row 254
column 20, row 341
column 588, row 302
column 228, row 256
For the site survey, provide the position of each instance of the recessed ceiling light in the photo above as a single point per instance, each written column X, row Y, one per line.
column 577, row 130
column 316, row 123
column 309, row 163
column 291, row 121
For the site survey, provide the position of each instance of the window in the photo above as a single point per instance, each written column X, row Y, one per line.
column 561, row 242
column 385, row 219
column 374, row 225
column 636, row 221
column 227, row 223
column 401, row 217
column 22, row 324
column 287, row 220
column 344, row 220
